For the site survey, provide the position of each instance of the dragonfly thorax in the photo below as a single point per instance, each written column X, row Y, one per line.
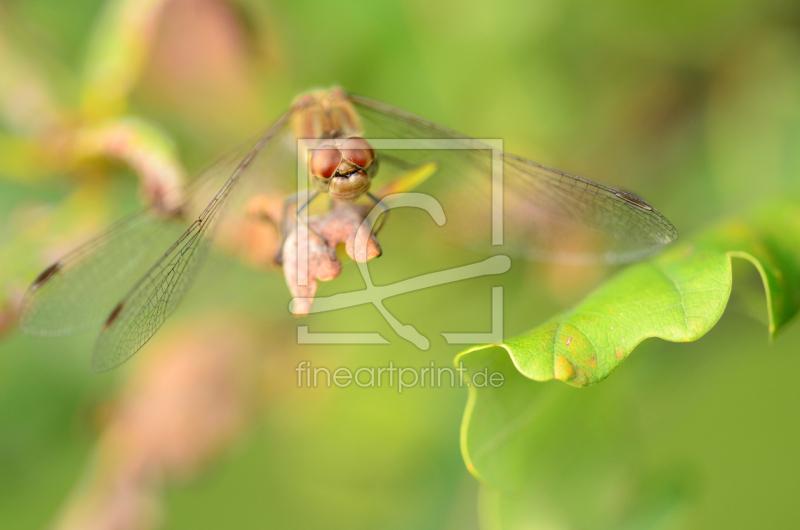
column 344, row 163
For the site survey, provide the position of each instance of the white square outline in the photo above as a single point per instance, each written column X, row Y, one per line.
column 304, row 145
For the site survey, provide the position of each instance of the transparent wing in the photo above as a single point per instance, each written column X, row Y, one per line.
column 131, row 278
column 81, row 289
column 142, row 312
column 548, row 215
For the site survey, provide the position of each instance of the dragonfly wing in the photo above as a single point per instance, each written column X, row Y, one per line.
column 548, row 215
column 136, row 318
column 133, row 276
column 80, row 290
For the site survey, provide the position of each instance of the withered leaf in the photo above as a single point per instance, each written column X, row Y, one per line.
column 338, row 226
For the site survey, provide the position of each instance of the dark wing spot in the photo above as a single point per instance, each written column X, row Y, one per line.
column 46, row 274
column 639, row 203
column 113, row 316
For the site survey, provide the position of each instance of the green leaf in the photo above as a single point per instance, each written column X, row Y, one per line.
column 552, row 456
column 142, row 146
column 507, row 433
column 118, row 50
column 678, row 296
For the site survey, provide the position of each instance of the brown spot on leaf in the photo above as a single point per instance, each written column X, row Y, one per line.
column 563, row 369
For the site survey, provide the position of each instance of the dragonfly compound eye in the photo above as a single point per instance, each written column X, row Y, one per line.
column 325, row 160
column 358, row 151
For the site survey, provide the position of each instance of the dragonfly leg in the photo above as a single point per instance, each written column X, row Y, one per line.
column 314, row 194
column 383, row 208
column 293, row 199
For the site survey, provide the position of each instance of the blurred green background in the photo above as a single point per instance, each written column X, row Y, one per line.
column 694, row 105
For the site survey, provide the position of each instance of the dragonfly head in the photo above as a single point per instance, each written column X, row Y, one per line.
column 344, row 168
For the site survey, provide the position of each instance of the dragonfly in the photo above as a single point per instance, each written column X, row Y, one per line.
column 130, row 279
